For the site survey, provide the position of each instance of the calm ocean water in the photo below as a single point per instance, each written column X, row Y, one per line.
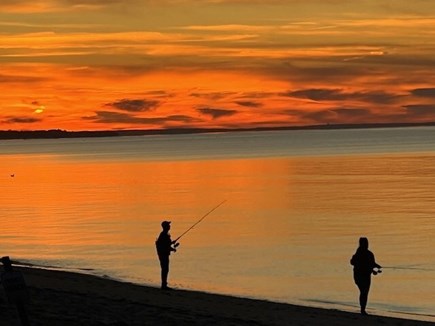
column 297, row 202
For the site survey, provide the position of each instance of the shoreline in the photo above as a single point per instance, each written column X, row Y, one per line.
column 70, row 298
column 59, row 133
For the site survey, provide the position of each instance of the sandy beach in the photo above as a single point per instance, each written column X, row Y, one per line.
column 63, row 298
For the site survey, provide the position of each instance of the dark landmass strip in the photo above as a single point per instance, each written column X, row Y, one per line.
column 58, row 133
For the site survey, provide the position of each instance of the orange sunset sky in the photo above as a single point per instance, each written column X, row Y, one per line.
column 147, row 64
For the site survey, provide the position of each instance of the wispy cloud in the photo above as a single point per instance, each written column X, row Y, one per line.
column 41, row 6
column 421, row 110
column 326, row 94
column 352, row 113
column 24, row 120
column 249, row 104
column 21, row 79
column 134, row 105
column 124, row 118
column 424, row 92
column 213, row 95
column 216, row 113
column 229, row 28
column 334, row 115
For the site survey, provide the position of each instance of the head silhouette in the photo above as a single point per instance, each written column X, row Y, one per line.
column 363, row 243
column 6, row 263
column 166, row 225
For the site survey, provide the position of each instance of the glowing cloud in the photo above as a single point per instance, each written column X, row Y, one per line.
column 214, row 63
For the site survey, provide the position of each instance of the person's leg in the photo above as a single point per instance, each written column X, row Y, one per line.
column 22, row 313
column 364, row 287
column 164, row 264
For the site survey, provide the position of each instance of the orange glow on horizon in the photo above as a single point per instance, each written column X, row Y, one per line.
column 210, row 69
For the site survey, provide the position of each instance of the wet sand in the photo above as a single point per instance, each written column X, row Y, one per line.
column 64, row 299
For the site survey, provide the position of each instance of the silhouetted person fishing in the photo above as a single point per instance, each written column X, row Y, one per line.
column 364, row 265
column 165, row 246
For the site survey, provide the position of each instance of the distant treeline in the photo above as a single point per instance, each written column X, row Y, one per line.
column 58, row 133
column 55, row 133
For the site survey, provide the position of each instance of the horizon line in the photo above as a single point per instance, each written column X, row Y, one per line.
column 62, row 133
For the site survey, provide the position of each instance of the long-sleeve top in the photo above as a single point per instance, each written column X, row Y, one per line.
column 363, row 262
column 164, row 244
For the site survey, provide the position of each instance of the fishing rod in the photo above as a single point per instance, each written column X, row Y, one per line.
column 199, row 221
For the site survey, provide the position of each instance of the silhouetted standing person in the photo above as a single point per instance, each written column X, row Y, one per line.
column 363, row 262
column 15, row 288
column 165, row 246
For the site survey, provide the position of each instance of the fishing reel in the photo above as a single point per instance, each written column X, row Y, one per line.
column 376, row 271
column 174, row 246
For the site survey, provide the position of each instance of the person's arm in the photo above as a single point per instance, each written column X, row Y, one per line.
column 353, row 260
column 170, row 243
column 375, row 265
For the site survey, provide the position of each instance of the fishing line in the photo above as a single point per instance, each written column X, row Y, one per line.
column 199, row 221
